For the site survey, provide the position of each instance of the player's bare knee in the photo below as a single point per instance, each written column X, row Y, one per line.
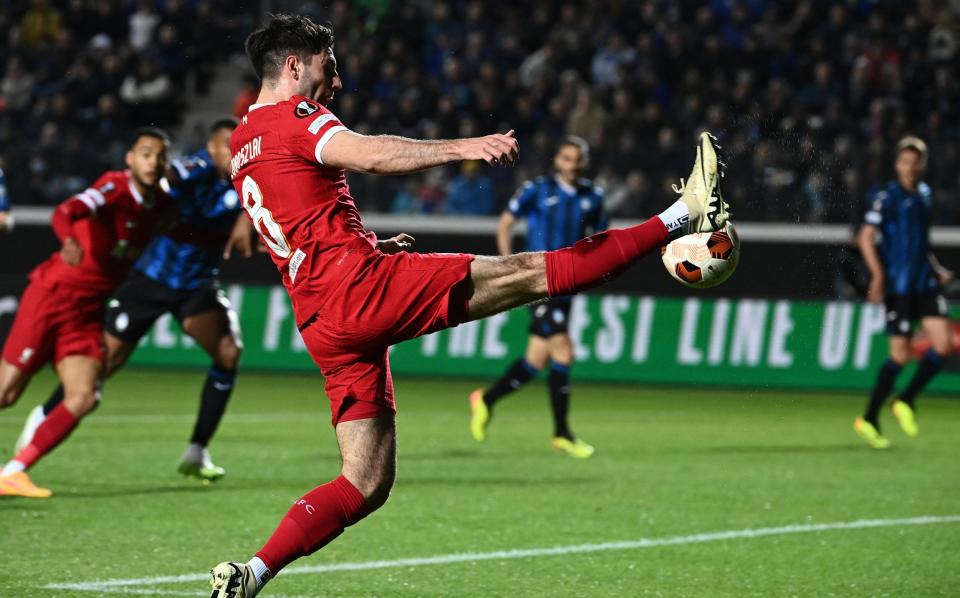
column 901, row 355
column 80, row 402
column 8, row 396
column 374, row 481
column 228, row 354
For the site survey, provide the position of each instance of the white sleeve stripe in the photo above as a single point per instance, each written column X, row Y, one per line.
column 96, row 196
column 87, row 201
column 178, row 166
column 319, row 122
column 325, row 138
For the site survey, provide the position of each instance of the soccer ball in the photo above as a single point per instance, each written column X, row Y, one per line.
column 703, row 260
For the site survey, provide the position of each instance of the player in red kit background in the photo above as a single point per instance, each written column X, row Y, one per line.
column 354, row 296
column 60, row 320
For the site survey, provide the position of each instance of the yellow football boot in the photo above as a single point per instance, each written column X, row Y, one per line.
column 576, row 448
column 479, row 416
column 19, row 484
column 868, row 432
column 904, row 414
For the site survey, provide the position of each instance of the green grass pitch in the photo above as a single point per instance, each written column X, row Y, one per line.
column 669, row 462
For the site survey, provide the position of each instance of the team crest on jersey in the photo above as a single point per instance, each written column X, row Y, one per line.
column 305, row 109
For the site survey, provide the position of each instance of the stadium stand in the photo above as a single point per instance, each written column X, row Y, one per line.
column 76, row 77
column 820, row 90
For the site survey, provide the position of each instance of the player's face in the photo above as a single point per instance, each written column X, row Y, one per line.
column 321, row 79
column 147, row 160
column 909, row 167
column 569, row 162
column 219, row 147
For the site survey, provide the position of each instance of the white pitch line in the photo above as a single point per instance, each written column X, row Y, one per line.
column 113, row 585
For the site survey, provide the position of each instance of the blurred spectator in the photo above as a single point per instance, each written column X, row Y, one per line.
column 40, row 26
column 246, row 96
column 148, row 93
column 142, row 24
column 471, row 192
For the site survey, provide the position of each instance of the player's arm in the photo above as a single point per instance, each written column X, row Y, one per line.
column 505, row 232
column 944, row 275
column 518, row 207
column 867, row 243
column 6, row 218
column 392, row 155
column 240, row 239
column 76, row 208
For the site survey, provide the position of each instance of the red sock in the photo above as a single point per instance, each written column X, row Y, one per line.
column 313, row 522
column 54, row 430
column 602, row 257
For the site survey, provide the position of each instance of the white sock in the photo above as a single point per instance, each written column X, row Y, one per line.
column 13, row 466
column 260, row 571
column 676, row 217
column 193, row 454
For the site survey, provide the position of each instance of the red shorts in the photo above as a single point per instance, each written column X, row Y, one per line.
column 389, row 299
column 52, row 322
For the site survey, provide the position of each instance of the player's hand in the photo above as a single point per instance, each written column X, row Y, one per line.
column 875, row 291
column 945, row 276
column 241, row 239
column 6, row 222
column 401, row 242
column 497, row 149
column 71, row 253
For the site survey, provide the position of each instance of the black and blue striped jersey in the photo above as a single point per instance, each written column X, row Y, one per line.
column 904, row 219
column 557, row 214
column 189, row 256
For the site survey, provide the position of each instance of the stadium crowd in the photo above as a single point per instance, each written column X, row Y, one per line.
column 807, row 97
column 78, row 76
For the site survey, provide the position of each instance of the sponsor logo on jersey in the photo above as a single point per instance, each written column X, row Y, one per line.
column 25, row 355
column 305, row 109
column 295, row 262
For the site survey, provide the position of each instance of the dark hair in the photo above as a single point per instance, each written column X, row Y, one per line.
column 155, row 132
column 227, row 122
column 284, row 35
column 578, row 142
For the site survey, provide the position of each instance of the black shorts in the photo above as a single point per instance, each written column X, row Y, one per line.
column 550, row 317
column 903, row 311
column 141, row 300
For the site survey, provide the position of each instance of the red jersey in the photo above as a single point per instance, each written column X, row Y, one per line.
column 112, row 222
column 301, row 208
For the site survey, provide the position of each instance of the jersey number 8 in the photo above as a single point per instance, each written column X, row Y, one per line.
column 263, row 221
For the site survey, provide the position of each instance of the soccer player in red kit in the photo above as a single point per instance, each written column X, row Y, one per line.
column 354, row 296
column 60, row 319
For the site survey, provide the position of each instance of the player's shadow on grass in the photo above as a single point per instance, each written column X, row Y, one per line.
column 775, row 448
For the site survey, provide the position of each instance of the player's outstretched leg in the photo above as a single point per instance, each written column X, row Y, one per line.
column 940, row 333
column 369, row 451
column 502, row 283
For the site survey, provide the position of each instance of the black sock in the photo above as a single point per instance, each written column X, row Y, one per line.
column 519, row 373
column 928, row 368
column 55, row 399
column 881, row 390
column 559, row 382
column 213, row 402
